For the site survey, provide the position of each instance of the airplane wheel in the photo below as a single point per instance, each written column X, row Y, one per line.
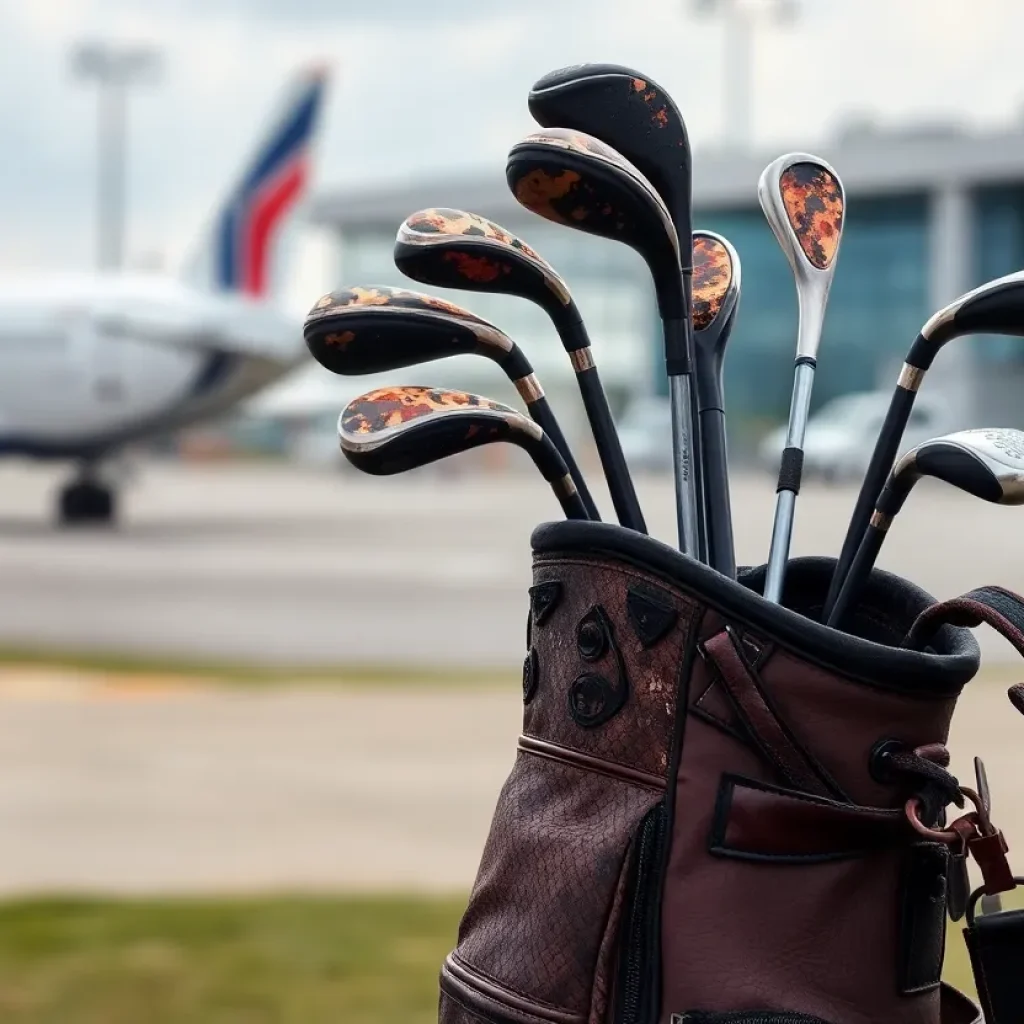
column 86, row 503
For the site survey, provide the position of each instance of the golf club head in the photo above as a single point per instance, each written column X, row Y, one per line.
column 986, row 462
column 454, row 249
column 574, row 179
column 996, row 307
column 361, row 330
column 394, row 429
column 716, row 286
column 630, row 112
column 804, row 202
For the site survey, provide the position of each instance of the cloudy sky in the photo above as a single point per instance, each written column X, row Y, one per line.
column 425, row 86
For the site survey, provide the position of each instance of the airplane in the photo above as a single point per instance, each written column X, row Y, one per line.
column 90, row 363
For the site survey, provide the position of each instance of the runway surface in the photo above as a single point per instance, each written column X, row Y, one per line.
column 297, row 567
column 131, row 788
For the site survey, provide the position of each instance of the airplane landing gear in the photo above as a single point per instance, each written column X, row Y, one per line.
column 86, row 501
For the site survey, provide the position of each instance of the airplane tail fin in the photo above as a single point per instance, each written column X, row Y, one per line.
column 240, row 250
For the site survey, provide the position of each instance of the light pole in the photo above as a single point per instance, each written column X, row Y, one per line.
column 738, row 20
column 114, row 69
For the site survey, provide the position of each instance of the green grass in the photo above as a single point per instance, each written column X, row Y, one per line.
column 113, row 663
column 342, row 960
column 273, row 961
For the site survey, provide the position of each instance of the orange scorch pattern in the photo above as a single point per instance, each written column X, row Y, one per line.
column 538, row 191
column 657, row 107
column 712, row 275
column 386, row 408
column 357, row 299
column 814, row 205
column 442, row 221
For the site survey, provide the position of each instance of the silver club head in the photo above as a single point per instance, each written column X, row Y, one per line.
column 804, row 202
column 987, row 462
column 996, row 307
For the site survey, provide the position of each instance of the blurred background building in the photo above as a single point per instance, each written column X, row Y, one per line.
column 931, row 213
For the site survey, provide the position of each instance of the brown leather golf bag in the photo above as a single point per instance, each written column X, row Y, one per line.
column 723, row 812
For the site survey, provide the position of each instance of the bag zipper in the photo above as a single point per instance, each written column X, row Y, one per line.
column 641, row 944
column 745, row 1017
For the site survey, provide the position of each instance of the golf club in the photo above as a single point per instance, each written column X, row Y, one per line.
column 454, row 249
column 716, row 294
column 996, row 307
column 574, row 179
column 987, row 463
column 804, row 202
column 356, row 331
column 393, row 430
column 633, row 114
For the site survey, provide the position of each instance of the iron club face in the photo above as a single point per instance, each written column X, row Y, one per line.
column 631, row 112
column 455, row 249
column 394, row 430
column 574, row 179
column 716, row 293
column 996, row 307
column 987, row 463
column 804, row 203
column 358, row 331
column 449, row 248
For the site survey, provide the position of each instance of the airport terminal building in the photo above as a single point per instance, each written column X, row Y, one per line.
column 929, row 215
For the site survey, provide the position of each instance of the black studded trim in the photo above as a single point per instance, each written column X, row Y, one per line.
column 594, row 699
column 651, row 613
column 544, row 599
column 531, row 675
column 593, row 635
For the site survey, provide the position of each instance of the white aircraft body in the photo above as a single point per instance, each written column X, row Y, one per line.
column 90, row 363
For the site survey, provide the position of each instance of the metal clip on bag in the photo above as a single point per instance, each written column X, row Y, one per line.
column 707, row 820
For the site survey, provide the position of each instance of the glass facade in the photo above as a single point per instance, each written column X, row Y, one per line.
column 879, row 295
column 879, row 298
column 998, row 250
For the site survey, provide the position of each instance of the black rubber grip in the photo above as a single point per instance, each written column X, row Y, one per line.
column 791, row 470
column 806, row 361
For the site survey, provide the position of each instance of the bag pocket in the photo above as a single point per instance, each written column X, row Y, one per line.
column 540, row 940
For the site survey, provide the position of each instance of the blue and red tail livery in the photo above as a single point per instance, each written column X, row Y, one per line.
column 275, row 181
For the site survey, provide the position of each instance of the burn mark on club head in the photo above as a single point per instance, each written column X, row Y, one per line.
column 814, row 203
column 358, row 299
column 339, row 340
column 712, row 276
column 658, row 108
column 442, row 221
column 538, row 190
column 387, row 408
column 481, row 269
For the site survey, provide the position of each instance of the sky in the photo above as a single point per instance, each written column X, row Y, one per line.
column 424, row 87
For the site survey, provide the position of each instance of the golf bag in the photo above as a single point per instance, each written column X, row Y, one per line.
column 723, row 812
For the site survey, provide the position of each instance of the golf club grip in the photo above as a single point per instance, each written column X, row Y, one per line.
column 606, row 437
column 541, row 414
column 860, row 569
column 882, row 459
column 721, row 549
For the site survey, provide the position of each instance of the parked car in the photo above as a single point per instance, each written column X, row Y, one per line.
column 841, row 435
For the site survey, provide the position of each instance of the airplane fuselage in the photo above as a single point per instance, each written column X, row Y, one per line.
column 89, row 363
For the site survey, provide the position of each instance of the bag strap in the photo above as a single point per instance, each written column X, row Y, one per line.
column 994, row 939
column 997, row 607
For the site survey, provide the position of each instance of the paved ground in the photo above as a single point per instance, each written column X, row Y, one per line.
column 142, row 789
column 147, row 791
column 292, row 566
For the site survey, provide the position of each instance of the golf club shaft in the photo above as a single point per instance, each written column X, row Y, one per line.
column 789, row 480
column 696, row 444
column 682, row 463
column 860, row 568
column 721, row 551
column 569, row 498
column 606, row 437
column 541, row 414
column 882, row 459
